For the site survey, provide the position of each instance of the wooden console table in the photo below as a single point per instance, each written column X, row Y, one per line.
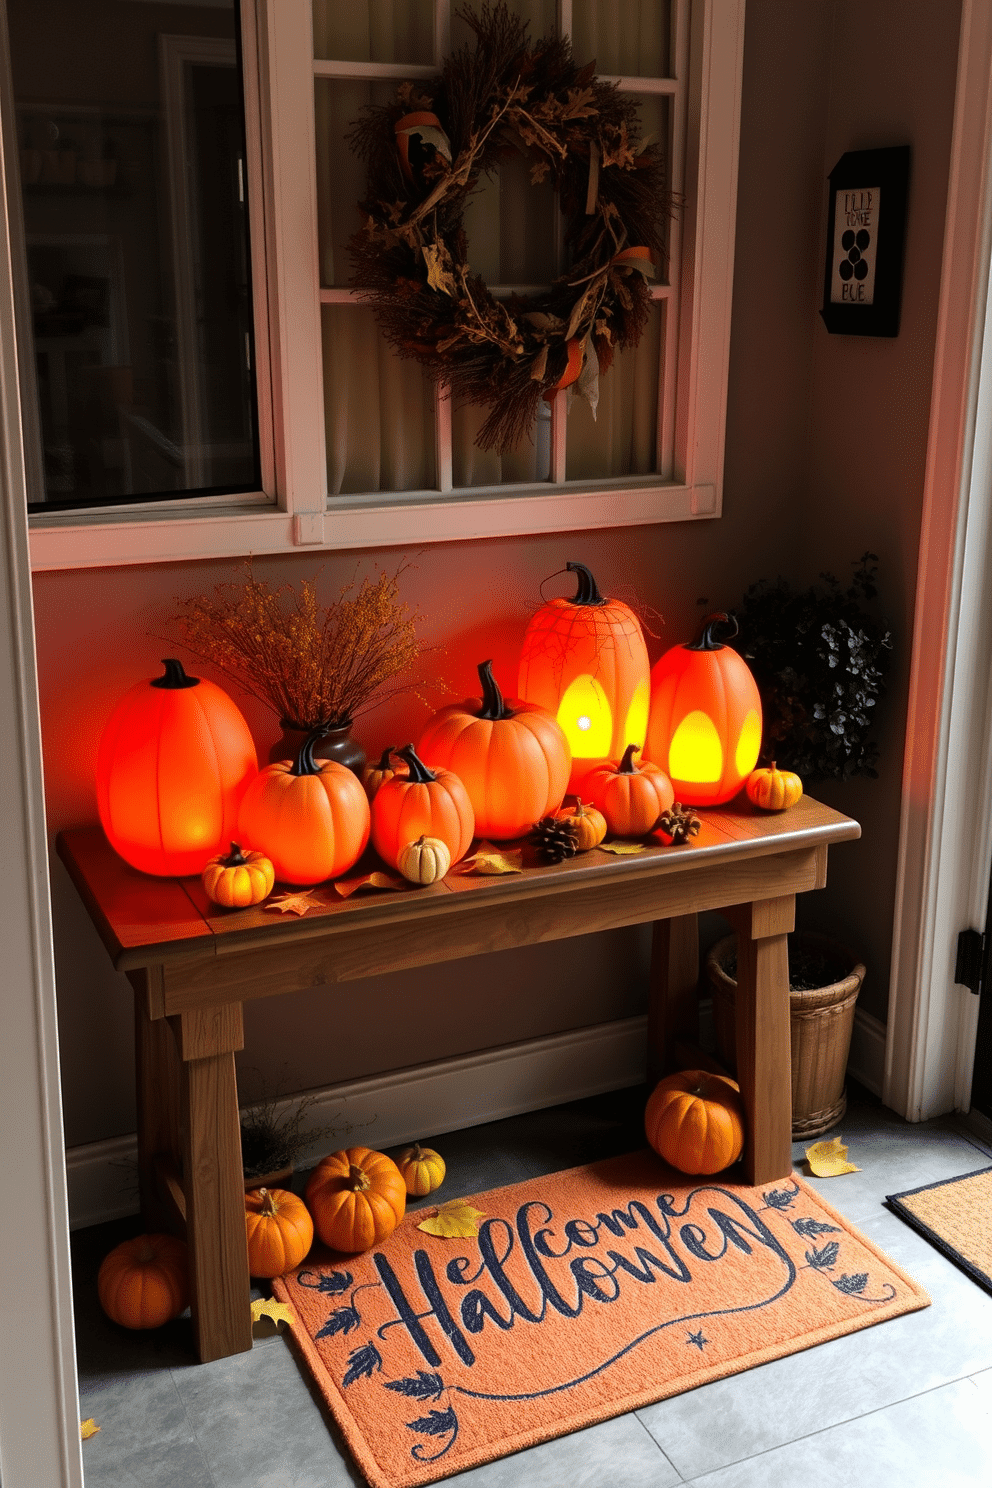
column 193, row 966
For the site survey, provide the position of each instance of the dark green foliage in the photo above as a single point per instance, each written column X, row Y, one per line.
column 819, row 656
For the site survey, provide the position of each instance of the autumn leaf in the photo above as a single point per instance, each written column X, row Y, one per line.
column 622, row 848
column 88, row 1428
column 278, row 1312
column 347, row 886
column 488, row 859
column 829, row 1159
column 297, row 904
column 455, row 1220
column 439, row 275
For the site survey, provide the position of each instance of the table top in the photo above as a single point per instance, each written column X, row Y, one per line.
column 144, row 920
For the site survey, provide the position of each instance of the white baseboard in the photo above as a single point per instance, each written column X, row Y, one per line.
column 406, row 1105
column 866, row 1061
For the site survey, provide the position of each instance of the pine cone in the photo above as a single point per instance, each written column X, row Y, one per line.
column 555, row 839
column 678, row 823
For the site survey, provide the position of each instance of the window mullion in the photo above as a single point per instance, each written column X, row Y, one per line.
column 255, row 187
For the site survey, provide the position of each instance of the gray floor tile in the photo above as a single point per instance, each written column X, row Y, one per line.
column 617, row 1451
column 133, row 1408
column 983, row 1383
column 891, row 1161
column 154, row 1464
column 936, row 1440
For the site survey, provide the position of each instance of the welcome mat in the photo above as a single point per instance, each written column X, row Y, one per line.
column 585, row 1294
column 954, row 1216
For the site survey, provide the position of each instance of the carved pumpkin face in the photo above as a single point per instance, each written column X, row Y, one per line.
column 705, row 724
column 585, row 661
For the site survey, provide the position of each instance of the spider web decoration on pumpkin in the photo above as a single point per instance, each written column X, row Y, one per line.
column 427, row 152
column 558, row 636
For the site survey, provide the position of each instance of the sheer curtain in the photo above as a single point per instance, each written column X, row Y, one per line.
column 379, row 407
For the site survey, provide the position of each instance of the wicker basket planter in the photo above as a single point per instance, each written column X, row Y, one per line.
column 821, row 1022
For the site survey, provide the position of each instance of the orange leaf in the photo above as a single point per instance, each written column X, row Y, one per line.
column 348, row 886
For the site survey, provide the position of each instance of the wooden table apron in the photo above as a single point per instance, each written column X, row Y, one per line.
column 193, row 967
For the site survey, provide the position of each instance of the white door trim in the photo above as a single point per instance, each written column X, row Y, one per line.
column 39, row 1405
column 945, row 838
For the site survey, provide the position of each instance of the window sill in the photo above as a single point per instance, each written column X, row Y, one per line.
column 111, row 539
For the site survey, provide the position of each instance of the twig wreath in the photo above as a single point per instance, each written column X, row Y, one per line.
column 425, row 154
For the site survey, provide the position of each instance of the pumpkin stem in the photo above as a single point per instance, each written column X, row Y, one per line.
column 626, row 765
column 235, row 858
column 268, row 1207
column 588, row 590
column 174, row 675
column 419, row 773
column 493, row 706
column 706, row 639
column 305, row 764
column 418, row 1154
column 385, row 757
column 358, row 1180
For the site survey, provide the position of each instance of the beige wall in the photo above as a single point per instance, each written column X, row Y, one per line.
column 97, row 630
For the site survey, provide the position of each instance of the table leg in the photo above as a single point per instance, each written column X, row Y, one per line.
column 156, row 1062
column 212, row 1179
column 673, row 1000
column 764, row 1063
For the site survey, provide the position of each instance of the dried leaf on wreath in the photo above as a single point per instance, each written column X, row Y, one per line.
column 538, row 171
column 539, row 366
column 348, row 886
column 277, row 1312
column 455, row 1220
column 88, row 1428
column 439, row 275
column 829, row 1159
column 415, row 101
column 587, row 385
column 488, row 859
column 622, row 848
column 297, row 904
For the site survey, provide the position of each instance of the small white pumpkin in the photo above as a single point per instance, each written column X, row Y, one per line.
column 424, row 861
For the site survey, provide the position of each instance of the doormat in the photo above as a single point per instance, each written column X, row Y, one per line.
column 954, row 1216
column 585, row 1294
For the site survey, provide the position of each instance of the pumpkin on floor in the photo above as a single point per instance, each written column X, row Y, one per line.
column 421, row 803
column 773, row 789
column 695, row 1121
column 280, row 1231
column 144, row 1282
column 357, row 1198
column 238, row 879
column 630, row 796
column 422, row 1168
column 310, row 817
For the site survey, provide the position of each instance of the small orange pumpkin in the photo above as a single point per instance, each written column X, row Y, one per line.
column 237, row 879
column 373, row 776
column 280, row 1231
column 310, row 817
column 357, row 1198
column 631, row 797
column 421, row 803
column 512, row 756
column 144, row 1282
column 695, row 1121
column 423, row 1169
column 773, row 789
column 588, row 824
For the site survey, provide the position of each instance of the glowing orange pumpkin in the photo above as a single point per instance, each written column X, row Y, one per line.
column 421, row 803
column 512, row 758
column 310, row 817
column 584, row 659
column 174, row 761
column 705, row 724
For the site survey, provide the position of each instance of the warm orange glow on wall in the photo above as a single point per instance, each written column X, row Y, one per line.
column 705, row 723
column 584, row 659
column 175, row 759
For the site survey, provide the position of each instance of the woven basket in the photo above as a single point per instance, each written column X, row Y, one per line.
column 821, row 1022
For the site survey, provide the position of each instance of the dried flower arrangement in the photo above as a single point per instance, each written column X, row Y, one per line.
column 314, row 665
column 425, row 155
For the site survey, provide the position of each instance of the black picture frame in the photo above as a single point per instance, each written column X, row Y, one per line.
column 866, row 234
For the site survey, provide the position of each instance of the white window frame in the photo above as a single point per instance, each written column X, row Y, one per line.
column 292, row 508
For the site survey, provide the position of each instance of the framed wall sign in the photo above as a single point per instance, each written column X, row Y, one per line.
column 866, row 231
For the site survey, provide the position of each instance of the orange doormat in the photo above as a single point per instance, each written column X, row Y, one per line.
column 585, row 1294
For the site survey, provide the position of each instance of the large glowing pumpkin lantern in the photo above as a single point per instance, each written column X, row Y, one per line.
column 705, row 724
column 585, row 661
column 175, row 758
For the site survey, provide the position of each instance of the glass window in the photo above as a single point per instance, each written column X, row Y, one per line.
column 131, row 142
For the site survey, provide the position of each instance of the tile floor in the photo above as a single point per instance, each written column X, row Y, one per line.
column 906, row 1404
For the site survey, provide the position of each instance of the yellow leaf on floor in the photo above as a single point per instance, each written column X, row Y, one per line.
column 88, row 1428
column 279, row 1312
column 455, row 1220
column 829, row 1159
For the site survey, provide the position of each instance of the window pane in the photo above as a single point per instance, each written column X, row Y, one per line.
column 132, row 152
column 628, row 40
column 530, row 461
column 510, row 226
column 622, row 439
column 374, row 30
column 378, row 408
column 540, row 17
